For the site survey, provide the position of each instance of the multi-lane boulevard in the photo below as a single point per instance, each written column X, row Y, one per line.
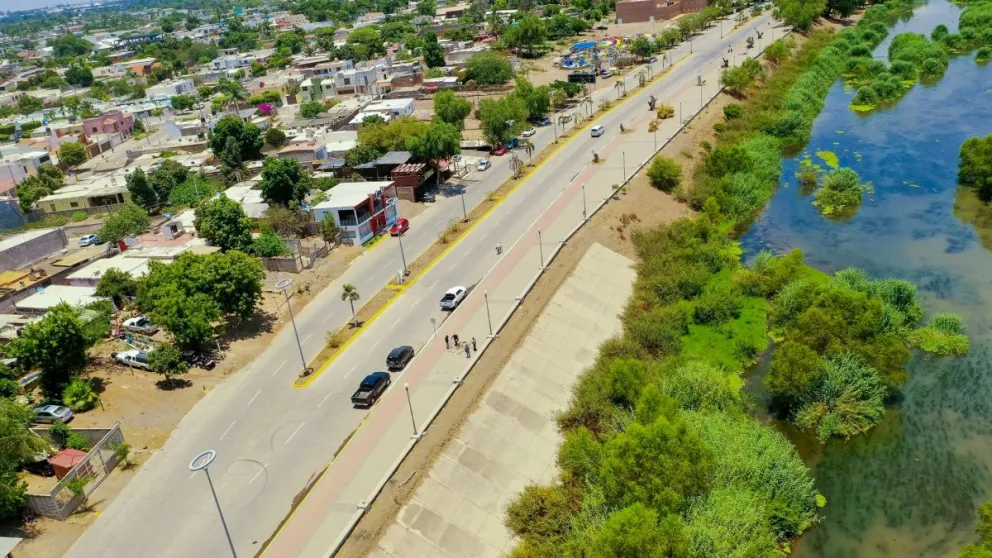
column 273, row 439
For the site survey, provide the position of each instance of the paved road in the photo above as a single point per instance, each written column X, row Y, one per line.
column 273, row 439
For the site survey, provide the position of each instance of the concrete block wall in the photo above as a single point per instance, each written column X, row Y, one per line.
column 23, row 254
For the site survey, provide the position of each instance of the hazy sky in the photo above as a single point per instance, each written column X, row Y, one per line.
column 15, row 5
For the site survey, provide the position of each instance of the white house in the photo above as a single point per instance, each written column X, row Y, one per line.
column 394, row 107
column 166, row 89
column 361, row 210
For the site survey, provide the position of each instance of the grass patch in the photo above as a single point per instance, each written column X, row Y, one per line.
column 731, row 345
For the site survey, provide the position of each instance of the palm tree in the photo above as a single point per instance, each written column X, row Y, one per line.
column 587, row 101
column 528, row 148
column 350, row 294
column 642, row 77
column 620, row 85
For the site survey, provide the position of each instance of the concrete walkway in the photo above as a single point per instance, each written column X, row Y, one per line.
column 511, row 440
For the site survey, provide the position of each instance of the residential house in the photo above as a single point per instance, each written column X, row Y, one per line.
column 635, row 11
column 394, row 107
column 331, row 69
column 360, row 80
column 305, row 152
column 382, row 167
column 110, row 123
column 94, row 192
column 410, row 180
column 166, row 89
column 236, row 61
column 17, row 165
column 315, row 89
column 361, row 210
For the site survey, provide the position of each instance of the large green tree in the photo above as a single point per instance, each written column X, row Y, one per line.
column 247, row 136
column 799, row 14
column 367, row 42
column 116, row 285
column 503, row 119
column 222, row 222
column 284, row 181
column 72, row 154
column 33, row 188
column 56, row 345
column 527, row 35
column 441, row 142
column 19, row 446
column 451, row 109
column 433, row 51
column 975, row 166
column 140, row 189
column 488, row 68
column 128, row 220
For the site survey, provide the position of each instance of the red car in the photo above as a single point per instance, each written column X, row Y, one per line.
column 399, row 227
column 500, row 150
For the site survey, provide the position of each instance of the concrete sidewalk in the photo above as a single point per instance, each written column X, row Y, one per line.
column 333, row 506
column 511, row 440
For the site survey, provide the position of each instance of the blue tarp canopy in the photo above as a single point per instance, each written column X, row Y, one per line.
column 584, row 46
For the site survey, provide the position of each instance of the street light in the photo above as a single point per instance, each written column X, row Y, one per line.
column 461, row 192
column 540, row 247
column 409, row 403
column 624, row 154
column 488, row 316
column 434, row 325
column 403, row 255
column 202, row 463
column 283, row 285
column 585, row 214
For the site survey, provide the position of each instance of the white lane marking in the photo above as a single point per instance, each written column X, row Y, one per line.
column 295, row 431
column 250, row 401
column 258, row 473
column 228, row 429
column 434, row 284
column 304, row 342
column 350, row 371
column 326, row 397
column 280, row 367
column 329, row 316
column 374, row 346
column 396, row 323
column 452, row 266
column 365, row 282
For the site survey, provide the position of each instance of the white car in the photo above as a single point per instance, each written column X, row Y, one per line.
column 483, row 165
column 529, row 132
column 141, row 324
column 134, row 359
column 597, row 131
column 89, row 240
column 453, row 298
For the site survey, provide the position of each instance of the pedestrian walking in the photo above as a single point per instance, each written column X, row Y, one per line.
column 473, row 344
column 455, row 338
column 468, row 351
column 499, row 248
column 447, row 344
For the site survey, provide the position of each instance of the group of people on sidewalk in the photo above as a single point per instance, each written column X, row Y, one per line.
column 453, row 339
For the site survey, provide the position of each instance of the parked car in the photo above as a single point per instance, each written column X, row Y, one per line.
column 141, row 324
column 597, row 131
column 89, row 240
column 653, row 59
column 500, row 150
column 399, row 227
column 605, row 72
column 483, row 165
column 41, row 467
column 529, row 132
column 371, row 388
column 399, row 357
column 52, row 413
column 204, row 361
column 134, row 359
column 602, row 28
column 430, row 197
column 542, row 121
column 453, row 298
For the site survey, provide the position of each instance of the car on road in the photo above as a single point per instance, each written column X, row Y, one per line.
column 141, row 324
column 597, row 131
column 605, row 72
column 499, row 150
column 529, row 132
column 602, row 28
column 453, row 298
column 483, row 165
column 134, row 359
column 371, row 388
column 399, row 357
column 653, row 59
column 89, row 240
column 52, row 413
column 542, row 121
column 399, row 227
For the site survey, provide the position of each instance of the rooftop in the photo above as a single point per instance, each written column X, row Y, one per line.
column 350, row 194
column 49, row 296
column 18, row 239
column 137, row 267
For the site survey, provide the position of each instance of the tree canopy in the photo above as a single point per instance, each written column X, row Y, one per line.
column 127, row 220
column 488, row 68
column 503, row 119
column 451, row 109
column 975, row 166
column 284, row 181
column 247, row 137
column 222, row 222
column 56, row 345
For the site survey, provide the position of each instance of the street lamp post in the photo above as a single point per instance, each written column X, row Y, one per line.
column 624, row 155
column 283, row 285
column 585, row 214
column 434, row 325
column 409, row 403
column 202, row 463
column 403, row 256
column 461, row 192
column 489, row 317
column 540, row 247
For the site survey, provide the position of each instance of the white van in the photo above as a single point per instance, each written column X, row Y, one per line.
column 597, row 131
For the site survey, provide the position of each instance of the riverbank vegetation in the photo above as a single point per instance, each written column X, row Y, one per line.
column 975, row 167
column 983, row 527
column 661, row 456
column 841, row 189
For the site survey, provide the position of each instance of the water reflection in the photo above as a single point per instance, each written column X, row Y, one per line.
column 909, row 487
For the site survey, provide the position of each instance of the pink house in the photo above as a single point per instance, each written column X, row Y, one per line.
column 110, row 123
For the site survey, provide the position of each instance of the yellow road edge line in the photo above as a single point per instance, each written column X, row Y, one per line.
column 499, row 201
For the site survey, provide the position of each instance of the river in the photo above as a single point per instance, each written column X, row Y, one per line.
column 910, row 486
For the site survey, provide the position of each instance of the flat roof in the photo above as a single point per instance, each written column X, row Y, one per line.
column 350, row 194
column 49, row 296
column 98, row 268
column 18, row 239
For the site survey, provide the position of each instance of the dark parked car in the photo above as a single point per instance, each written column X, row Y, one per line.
column 204, row 361
column 42, row 468
column 373, row 386
column 399, row 357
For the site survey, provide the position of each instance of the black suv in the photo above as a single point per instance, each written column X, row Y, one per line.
column 399, row 357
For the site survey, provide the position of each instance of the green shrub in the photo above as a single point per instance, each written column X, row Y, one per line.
column 719, row 127
column 60, row 432
column 9, row 388
column 840, row 189
column 580, row 454
column 540, row 512
column 79, row 395
column 660, row 331
column 848, row 399
column 665, row 112
column 79, row 216
column 665, row 174
column 732, row 111
column 699, row 386
column 77, row 442
column 717, row 305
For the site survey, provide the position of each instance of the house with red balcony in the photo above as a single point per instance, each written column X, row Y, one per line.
column 361, row 210
column 114, row 122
